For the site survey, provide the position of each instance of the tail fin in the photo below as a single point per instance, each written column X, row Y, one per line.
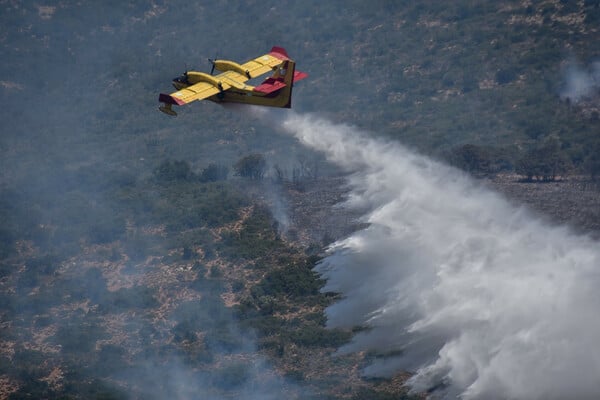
column 288, row 69
column 291, row 76
column 278, row 87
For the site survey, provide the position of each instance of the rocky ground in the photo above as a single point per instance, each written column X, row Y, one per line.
column 316, row 215
column 571, row 200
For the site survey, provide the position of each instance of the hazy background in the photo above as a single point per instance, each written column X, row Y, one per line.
column 82, row 139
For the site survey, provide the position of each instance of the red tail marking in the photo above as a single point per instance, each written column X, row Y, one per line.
column 279, row 52
column 298, row 76
column 270, row 85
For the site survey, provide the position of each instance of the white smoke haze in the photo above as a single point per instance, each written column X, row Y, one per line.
column 453, row 282
column 580, row 81
column 278, row 206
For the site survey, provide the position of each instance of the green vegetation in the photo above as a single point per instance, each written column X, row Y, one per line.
column 591, row 162
column 202, row 331
column 252, row 166
column 481, row 160
column 213, row 173
column 544, row 162
column 256, row 238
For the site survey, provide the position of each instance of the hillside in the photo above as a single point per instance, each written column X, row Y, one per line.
column 221, row 309
column 135, row 263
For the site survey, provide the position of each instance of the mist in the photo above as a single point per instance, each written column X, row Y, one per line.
column 580, row 81
column 470, row 293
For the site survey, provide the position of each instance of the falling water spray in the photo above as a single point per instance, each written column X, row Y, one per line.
column 454, row 283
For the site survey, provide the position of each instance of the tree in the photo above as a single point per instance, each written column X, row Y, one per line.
column 169, row 171
column 591, row 163
column 214, row 173
column 506, row 75
column 252, row 166
column 280, row 173
column 471, row 158
column 545, row 161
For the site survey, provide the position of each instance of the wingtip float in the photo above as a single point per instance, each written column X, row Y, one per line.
column 230, row 85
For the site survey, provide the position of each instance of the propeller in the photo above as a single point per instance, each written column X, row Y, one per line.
column 212, row 61
column 184, row 76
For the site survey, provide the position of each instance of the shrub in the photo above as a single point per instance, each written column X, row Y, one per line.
column 213, row 173
column 506, row 75
column 543, row 162
column 173, row 171
column 252, row 166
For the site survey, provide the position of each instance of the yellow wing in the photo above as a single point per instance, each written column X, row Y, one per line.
column 268, row 62
column 198, row 91
column 203, row 85
column 253, row 68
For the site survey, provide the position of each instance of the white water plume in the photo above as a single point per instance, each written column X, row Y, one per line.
column 453, row 282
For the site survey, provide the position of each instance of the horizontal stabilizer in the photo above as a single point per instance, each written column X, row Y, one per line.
column 298, row 76
column 270, row 85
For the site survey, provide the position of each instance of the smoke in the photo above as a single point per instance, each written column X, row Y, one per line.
column 279, row 208
column 73, row 138
column 455, row 284
column 581, row 82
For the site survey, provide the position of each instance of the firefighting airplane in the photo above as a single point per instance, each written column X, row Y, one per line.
column 229, row 86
